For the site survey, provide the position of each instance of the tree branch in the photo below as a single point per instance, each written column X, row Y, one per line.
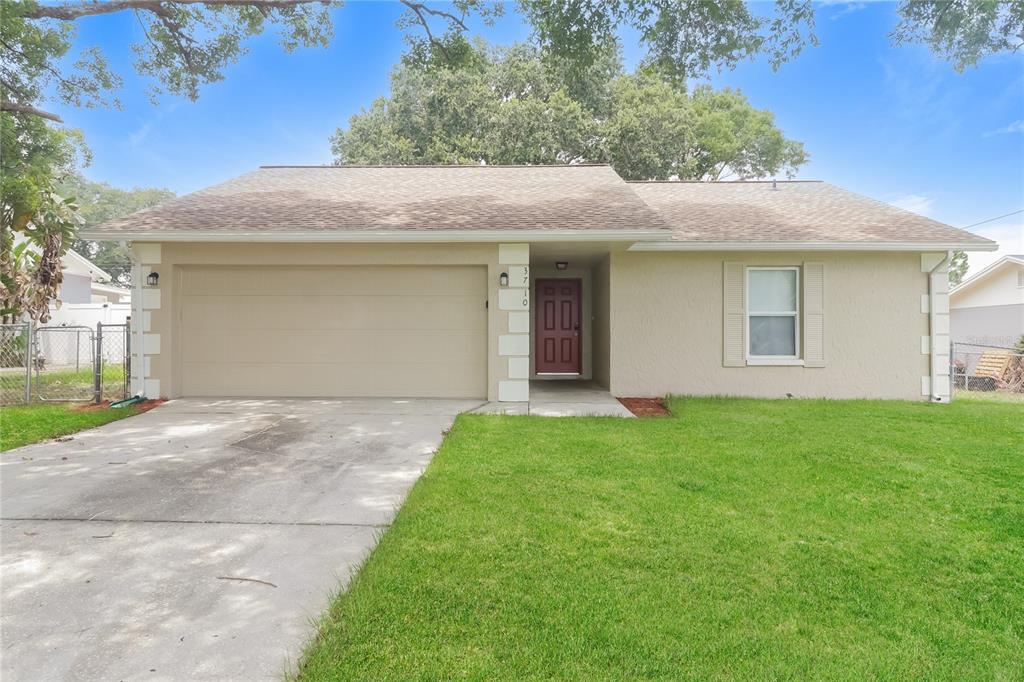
column 47, row 67
column 420, row 8
column 16, row 108
column 73, row 11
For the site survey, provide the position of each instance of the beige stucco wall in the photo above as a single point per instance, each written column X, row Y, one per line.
column 666, row 327
column 159, row 308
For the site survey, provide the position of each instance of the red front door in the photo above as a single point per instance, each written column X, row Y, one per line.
column 557, row 327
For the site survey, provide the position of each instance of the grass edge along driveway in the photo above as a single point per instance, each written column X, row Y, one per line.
column 736, row 539
column 26, row 424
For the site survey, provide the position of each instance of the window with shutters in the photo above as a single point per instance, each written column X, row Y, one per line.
column 773, row 315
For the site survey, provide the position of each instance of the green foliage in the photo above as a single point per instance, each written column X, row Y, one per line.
column 33, row 60
column 962, row 31
column 957, row 267
column 187, row 45
column 99, row 202
column 514, row 106
column 34, row 158
column 683, row 39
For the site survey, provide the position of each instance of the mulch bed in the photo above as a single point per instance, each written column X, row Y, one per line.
column 646, row 407
column 144, row 406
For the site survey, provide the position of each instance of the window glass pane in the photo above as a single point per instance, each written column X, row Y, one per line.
column 771, row 290
column 773, row 335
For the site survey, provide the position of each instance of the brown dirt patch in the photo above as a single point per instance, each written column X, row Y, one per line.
column 646, row 407
column 144, row 406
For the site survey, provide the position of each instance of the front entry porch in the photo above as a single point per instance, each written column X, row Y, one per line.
column 562, row 399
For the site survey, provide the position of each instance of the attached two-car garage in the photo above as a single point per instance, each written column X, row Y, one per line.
column 333, row 331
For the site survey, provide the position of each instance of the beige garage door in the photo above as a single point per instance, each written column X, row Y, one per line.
column 334, row 331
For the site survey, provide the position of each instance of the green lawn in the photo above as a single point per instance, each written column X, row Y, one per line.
column 33, row 423
column 71, row 384
column 738, row 539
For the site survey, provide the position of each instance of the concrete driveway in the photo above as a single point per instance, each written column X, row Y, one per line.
column 199, row 540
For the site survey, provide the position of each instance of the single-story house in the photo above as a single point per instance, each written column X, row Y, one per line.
column 988, row 307
column 471, row 281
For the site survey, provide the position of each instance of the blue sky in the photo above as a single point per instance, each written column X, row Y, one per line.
column 897, row 124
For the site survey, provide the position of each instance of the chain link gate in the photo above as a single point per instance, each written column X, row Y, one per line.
column 64, row 364
column 15, row 369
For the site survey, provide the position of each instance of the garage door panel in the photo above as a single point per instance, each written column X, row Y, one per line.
column 333, row 312
column 333, row 331
column 348, row 280
column 335, row 345
column 331, row 380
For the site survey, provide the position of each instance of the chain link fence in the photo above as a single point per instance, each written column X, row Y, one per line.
column 992, row 371
column 15, row 366
column 64, row 364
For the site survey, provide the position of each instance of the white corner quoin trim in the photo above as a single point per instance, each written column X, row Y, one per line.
column 514, row 306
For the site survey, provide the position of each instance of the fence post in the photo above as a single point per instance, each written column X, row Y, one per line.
column 127, row 364
column 952, row 370
column 97, row 368
column 28, row 361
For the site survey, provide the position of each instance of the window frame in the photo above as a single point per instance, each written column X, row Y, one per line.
column 795, row 359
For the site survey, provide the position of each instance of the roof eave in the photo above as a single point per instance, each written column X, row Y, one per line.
column 681, row 245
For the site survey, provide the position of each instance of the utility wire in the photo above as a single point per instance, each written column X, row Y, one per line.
column 998, row 217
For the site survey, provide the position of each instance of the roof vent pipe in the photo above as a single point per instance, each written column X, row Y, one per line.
column 775, row 185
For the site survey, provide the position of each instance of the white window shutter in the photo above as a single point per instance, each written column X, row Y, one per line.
column 734, row 313
column 814, row 314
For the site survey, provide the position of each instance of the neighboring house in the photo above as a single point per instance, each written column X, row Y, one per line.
column 988, row 308
column 85, row 282
column 469, row 281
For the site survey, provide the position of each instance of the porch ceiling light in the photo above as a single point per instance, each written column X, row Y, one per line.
column 153, row 278
column 562, row 265
column 503, row 279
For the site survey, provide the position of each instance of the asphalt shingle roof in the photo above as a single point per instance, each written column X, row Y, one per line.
column 798, row 211
column 435, row 199
column 371, row 198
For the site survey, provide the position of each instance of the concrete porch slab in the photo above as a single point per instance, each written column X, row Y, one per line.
column 563, row 398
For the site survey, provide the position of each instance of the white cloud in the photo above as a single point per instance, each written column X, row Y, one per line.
column 845, row 8
column 138, row 136
column 1010, row 238
column 1015, row 127
column 914, row 203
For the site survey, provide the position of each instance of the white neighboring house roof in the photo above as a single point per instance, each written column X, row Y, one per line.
column 76, row 264
column 984, row 274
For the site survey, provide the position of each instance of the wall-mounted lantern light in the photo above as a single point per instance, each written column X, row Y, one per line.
column 153, row 278
column 562, row 265
column 503, row 279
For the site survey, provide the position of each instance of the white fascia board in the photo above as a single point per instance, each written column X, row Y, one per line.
column 418, row 236
column 808, row 246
